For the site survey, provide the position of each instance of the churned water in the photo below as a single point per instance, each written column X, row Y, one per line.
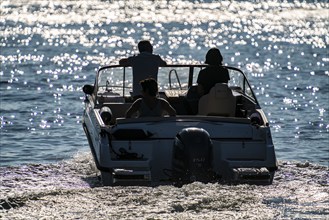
column 71, row 190
column 50, row 49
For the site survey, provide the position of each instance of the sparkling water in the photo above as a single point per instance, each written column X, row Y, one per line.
column 50, row 49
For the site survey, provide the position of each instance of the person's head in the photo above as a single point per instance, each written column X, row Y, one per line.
column 214, row 57
column 145, row 46
column 149, row 86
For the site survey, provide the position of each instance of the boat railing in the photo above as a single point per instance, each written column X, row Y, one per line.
column 242, row 82
column 177, row 78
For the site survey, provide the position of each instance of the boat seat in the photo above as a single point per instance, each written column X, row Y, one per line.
column 219, row 101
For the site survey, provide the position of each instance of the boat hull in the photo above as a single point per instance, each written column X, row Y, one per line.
column 221, row 136
column 140, row 150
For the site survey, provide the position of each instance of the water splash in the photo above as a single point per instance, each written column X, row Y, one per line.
column 71, row 189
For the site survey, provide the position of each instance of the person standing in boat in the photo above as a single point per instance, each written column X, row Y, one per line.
column 145, row 65
column 212, row 74
column 150, row 104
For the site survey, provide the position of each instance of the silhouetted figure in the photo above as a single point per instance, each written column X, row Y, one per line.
column 145, row 65
column 212, row 74
column 150, row 104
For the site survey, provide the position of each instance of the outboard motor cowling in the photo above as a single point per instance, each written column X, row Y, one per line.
column 192, row 156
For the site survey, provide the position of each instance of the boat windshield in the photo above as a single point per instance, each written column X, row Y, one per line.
column 118, row 79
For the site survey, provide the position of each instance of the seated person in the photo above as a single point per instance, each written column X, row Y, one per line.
column 145, row 65
column 150, row 104
column 212, row 74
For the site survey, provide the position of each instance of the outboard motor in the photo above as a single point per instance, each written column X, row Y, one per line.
column 192, row 156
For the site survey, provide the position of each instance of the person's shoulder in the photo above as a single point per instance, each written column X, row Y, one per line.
column 138, row 101
column 163, row 103
column 132, row 57
column 154, row 57
column 157, row 56
column 215, row 69
column 147, row 55
column 223, row 68
column 162, row 99
column 203, row 72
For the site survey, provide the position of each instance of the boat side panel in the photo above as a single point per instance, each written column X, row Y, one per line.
column 93, row 127
column 232, row 154
column 153, row 155
column 162, row 159
column 169, row 129
column 239, row 150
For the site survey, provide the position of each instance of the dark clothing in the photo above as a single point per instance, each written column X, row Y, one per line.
column 211, row 75
column 145, row 65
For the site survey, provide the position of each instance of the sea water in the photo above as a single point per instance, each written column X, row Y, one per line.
column 50, row 49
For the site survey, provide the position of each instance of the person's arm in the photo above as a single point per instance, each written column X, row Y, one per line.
column 133, row 108
column 167, row 107
column 127, row 61
column 162, row 62
column 124, row 62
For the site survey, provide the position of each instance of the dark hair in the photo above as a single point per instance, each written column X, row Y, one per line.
column 214, row 57
column 145, row 46
column 150, row 86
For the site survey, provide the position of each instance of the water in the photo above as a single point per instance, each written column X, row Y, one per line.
column 49, row 50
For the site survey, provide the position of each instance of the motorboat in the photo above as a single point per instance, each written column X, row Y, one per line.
column 223, row 136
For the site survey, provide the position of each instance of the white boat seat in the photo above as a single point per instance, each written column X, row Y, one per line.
column 219, row 101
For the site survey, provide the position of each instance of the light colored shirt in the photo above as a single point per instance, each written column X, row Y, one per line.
column 145, row 65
